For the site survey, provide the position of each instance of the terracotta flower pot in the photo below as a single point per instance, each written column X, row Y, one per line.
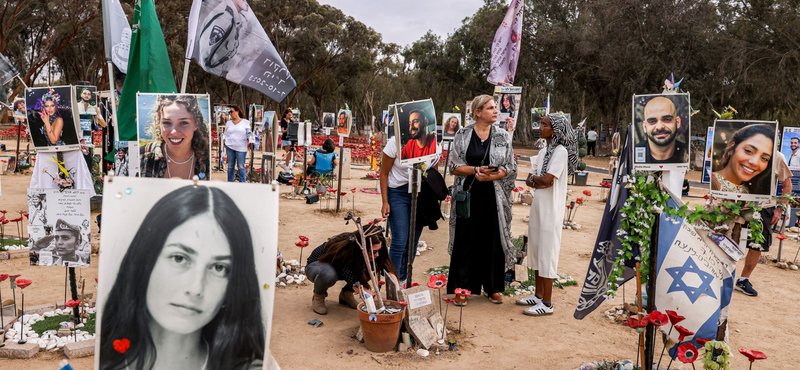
column 381, row 331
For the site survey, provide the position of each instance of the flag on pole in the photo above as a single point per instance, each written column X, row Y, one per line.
column 547, row 105
column 226, row 39
column 607, row 244
column 505, row 47
column 149, row 69
column 694, row 278
column 7, row 71
column 116, row 34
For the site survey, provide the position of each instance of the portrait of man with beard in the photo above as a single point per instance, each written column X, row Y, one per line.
column 421, row 142
column 665, row 131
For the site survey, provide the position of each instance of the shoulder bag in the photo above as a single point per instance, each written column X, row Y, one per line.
column 462, row 197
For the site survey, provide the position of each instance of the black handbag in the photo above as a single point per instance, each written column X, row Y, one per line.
column 463, row 197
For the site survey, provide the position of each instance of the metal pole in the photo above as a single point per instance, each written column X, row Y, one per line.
column 415, row 174
column 339, row 180
column 780, row 241
column 650, row 333
column 112, row 85
column 16, row 156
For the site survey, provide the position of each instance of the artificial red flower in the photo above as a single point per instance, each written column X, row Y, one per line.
column 705, row 196
column 343, row 193
column 569, row 206
column 449, row 300
column 683, row 332
column 637, row 324
column 702, row 341
column 3, row 277
column 381, row 283
column 674, row 318
column 301, row 244
column 579, row 201
column 23, row 283
column 303, row 238
column 462, row 292
column 753, row 355
column 587, row 193
column 687, row 353
column 14, row 277
column 403, row 303
column 780, row 236
column 353, row 190
column 437, row 282
column 658, row 318
column 415, row 284
column 72, row 303
column 3, row 212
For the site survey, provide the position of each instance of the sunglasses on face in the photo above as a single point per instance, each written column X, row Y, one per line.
column 665, row 119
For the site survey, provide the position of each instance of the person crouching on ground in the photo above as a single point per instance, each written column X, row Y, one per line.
column 340, row 258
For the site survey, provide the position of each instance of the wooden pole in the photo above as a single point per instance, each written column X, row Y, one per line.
column 639, row 314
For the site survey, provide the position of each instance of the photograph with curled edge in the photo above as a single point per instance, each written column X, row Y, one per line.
column 203, row 259
column 790, row 147
column 344, row 121
column 661, row 129
column 59, row 230
column 51, row 121
column 508, row 100
column 174, row 135
column 415, row 131
column 451, row 123
column 742, row 159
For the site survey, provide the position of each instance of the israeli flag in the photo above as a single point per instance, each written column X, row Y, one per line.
column 694, row 278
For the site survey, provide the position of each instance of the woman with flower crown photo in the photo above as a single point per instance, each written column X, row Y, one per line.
column 49, row 111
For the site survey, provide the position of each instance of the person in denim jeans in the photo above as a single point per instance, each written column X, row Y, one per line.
column 397, row 207
column 237, row 131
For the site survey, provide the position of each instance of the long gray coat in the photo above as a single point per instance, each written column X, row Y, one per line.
column 501, row 155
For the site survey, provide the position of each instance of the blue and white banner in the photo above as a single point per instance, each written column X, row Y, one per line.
column 694, row 278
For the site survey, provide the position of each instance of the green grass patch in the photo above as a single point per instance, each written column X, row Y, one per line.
column 54, row 323
column 15, row 242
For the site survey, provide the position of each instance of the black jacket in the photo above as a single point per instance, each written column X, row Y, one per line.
column 433, row 191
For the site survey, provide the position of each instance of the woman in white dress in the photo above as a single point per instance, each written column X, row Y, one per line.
column 549, row 172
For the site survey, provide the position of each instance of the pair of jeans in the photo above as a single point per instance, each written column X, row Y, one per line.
column 236, row 158
column 399, row 222
column 323, row 275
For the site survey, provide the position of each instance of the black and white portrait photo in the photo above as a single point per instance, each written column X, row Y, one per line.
column 203, row 261
column 58, row 228
column 661, row 127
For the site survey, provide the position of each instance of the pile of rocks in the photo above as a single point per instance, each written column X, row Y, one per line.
column 15, row 247
column 787, row 265
column 51, row 339
column 601, row 365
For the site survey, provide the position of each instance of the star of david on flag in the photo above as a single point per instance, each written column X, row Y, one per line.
column 694, row 278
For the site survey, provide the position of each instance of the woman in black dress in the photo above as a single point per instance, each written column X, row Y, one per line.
column 480, row 248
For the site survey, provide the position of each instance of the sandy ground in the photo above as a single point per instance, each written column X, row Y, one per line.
column 495, row 336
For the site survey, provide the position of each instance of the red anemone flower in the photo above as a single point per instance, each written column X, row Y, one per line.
column 683, row 332
column 705, row 196
column 587, row 193
column 702, row 341
column 658, row 318
column 449, row 300
column 343, row 193
column 3, row 277
column 780, row 236
column 353, row 190
column 437, row 282
column 462, row 292
column 753, row 355
column 303, row 238
column 23, row 283
column 687, row 353
column 674, row 318
column 569, row 206
column 638, row 324
column 72, row 303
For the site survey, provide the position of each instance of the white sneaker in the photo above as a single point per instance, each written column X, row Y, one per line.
column 529, row 301
column 539, row 310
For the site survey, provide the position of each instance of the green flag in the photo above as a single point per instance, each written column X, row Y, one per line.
column 148, row 66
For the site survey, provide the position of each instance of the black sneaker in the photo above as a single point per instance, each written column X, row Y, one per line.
column 745, row 287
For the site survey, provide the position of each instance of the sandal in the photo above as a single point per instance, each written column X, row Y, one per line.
column 498, row 300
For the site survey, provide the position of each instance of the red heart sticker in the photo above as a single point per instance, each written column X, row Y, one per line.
column 738, row 196
column 121, row 345
column 660, row 166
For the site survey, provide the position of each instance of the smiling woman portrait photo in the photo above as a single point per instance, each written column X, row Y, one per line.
column 743, row 156
column 178, row 128
column 186, row 295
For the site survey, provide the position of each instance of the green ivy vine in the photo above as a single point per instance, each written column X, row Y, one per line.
column 646, row 202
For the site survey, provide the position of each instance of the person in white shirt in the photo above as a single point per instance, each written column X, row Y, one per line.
column 237, row 132
column 794, row 158
column 591, row 141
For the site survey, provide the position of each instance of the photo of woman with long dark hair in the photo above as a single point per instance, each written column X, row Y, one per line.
column 186, row 295
column 746, row 163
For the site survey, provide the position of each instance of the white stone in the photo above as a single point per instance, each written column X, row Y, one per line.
column 48, row 314
column 282, row 274
column 42, row 344
column 17, row 326
column 61, row 344
column 34, row 340
column 423, row 352
column 52, row 344
column 283, row 284
column 289, row 279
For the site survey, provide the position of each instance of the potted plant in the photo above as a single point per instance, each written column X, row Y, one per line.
column 581, row 177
